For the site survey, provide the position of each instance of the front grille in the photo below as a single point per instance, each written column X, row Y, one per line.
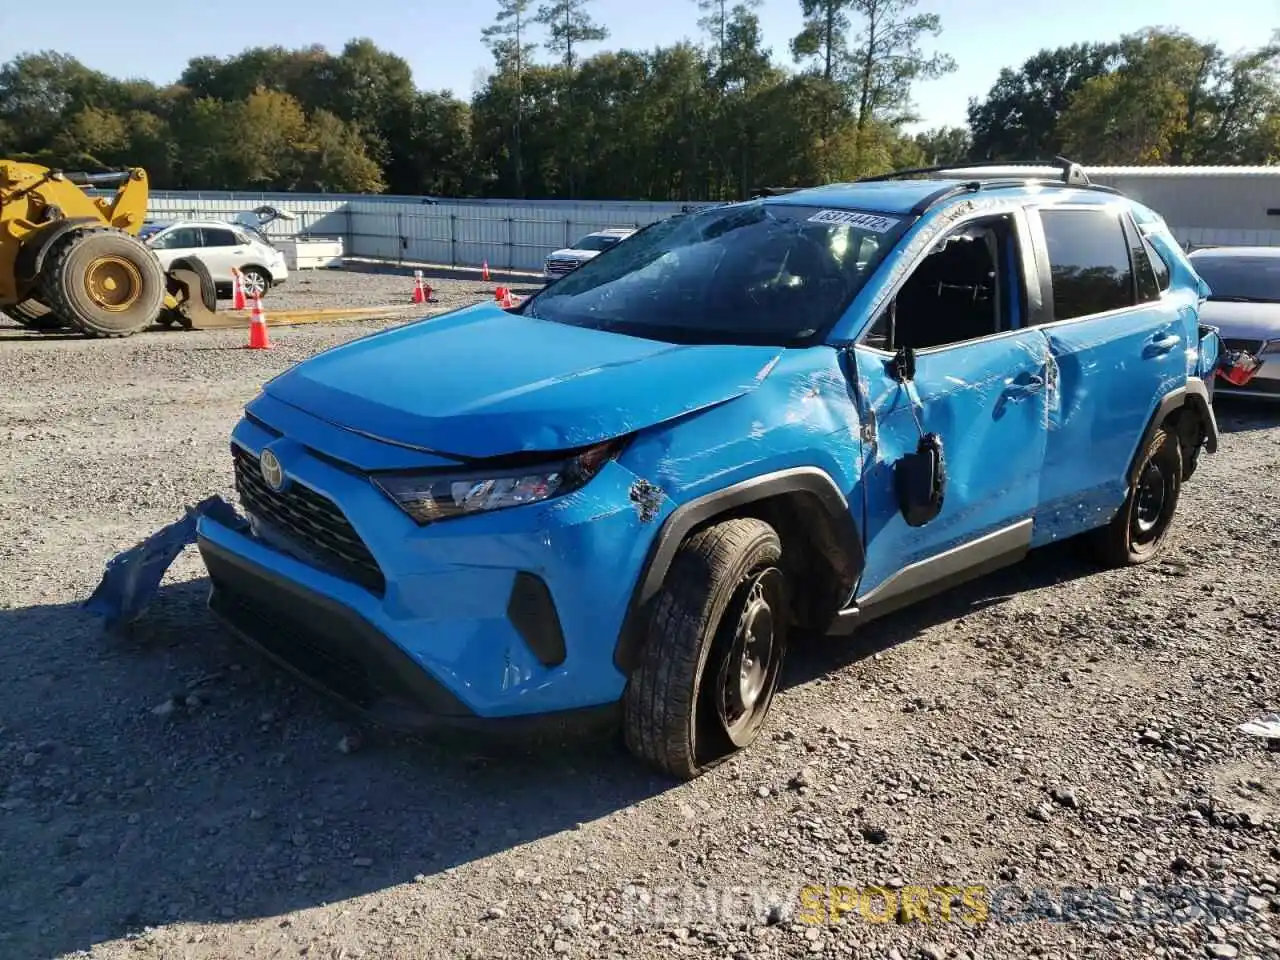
column 302, row 648
column 311, row 519
column 1251, row 347
column 562, row 266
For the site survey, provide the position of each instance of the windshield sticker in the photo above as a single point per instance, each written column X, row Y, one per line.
column 863, row 221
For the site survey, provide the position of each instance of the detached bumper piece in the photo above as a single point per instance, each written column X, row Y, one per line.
column 133, row 577
column 338, row 652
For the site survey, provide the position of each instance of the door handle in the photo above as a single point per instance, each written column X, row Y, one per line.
column 1162, row 345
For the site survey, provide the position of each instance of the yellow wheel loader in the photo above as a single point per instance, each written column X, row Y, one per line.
column 71, row 260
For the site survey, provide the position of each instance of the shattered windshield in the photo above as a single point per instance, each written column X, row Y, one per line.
column 755, row 273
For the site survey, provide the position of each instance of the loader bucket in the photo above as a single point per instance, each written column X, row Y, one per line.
column 192, row 298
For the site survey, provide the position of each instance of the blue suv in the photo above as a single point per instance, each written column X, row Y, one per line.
column 618, row 500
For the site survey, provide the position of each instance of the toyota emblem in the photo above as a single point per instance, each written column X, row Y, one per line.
column 272, row 472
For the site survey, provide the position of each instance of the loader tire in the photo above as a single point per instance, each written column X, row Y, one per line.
column 106, row 282
column 34, row 315
column 193, row 295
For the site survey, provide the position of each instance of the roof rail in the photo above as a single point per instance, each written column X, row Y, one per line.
column 1072, row 173
column 775, row 191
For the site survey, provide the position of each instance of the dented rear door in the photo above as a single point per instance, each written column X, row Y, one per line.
column 987, row 401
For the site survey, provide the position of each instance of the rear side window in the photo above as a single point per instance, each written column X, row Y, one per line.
column 219, row 238
column 1089, row 262
column 180, row 239
column 1143, row 271
column 1163, row 278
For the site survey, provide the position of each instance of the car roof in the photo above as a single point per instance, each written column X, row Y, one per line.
column 1238, row 251
column 903, row 196
column 224, row 224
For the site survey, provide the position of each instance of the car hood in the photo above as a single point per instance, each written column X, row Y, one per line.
column 572, row 253
column 1243, row 321
column 482, row 382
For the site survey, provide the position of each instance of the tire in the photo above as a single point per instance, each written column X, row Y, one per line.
column 679, row 711
column 255, row 279
column 106, row 282
column 34, row 315
column 1138, row 532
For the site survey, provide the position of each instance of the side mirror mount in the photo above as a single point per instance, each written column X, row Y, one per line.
column 903, row 365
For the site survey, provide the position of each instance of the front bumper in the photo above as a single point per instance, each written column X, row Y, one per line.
column 1265, row 384
column 512, row 615
column 338, row 652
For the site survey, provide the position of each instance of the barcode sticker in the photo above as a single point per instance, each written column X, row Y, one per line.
column 874, row 222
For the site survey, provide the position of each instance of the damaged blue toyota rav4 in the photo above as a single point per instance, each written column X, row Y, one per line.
column 619, row 499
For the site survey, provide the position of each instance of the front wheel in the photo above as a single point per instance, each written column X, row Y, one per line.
column 1140, row 529
column 716, row 642
column 105, row 281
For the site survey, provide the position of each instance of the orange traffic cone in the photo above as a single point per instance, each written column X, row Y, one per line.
column 258, row 339
column 419, row 295
column 237, row 290
column 484, row 271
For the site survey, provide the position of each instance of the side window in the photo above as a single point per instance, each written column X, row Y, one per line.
column 1151, row 273
column 1089, row 262
column 181, row 239
column 218, row 238
column 1143, row 272
column 969, row 286
column 1159, row 265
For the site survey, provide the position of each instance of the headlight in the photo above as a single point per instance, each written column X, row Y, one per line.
column 429, row 497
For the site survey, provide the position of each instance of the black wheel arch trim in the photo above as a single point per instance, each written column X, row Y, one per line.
column 812, row 481
column 1194, row 396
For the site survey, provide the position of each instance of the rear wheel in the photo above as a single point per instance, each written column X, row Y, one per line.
column 713, row 657
column 1138, row 532
column 34, row 315
column 106, row 282
column 254, row 281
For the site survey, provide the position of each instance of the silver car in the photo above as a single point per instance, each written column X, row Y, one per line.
column 1245, row 307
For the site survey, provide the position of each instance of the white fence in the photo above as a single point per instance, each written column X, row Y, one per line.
column 507, row 236
column 1203, row 206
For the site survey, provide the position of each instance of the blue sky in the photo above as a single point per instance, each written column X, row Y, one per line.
column 441, row 39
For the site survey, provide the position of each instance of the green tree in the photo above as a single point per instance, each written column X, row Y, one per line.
column 506, row 38
column 334, row 158
column 1018, row 119
column 1175, row 99
column 718, row 20
column 569, row 26
column 940, row 145
column 887, row 60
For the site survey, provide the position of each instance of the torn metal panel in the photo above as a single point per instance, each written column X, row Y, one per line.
column 648, row 499
column 987, row 399
column 133, row 577
column 1110, row 375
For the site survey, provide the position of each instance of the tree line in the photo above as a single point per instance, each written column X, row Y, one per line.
column 714, row 119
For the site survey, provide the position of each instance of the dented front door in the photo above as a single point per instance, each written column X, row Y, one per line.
column 988, row 402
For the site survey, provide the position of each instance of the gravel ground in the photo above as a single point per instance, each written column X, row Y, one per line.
column 1049, row 727
column 356, row 287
